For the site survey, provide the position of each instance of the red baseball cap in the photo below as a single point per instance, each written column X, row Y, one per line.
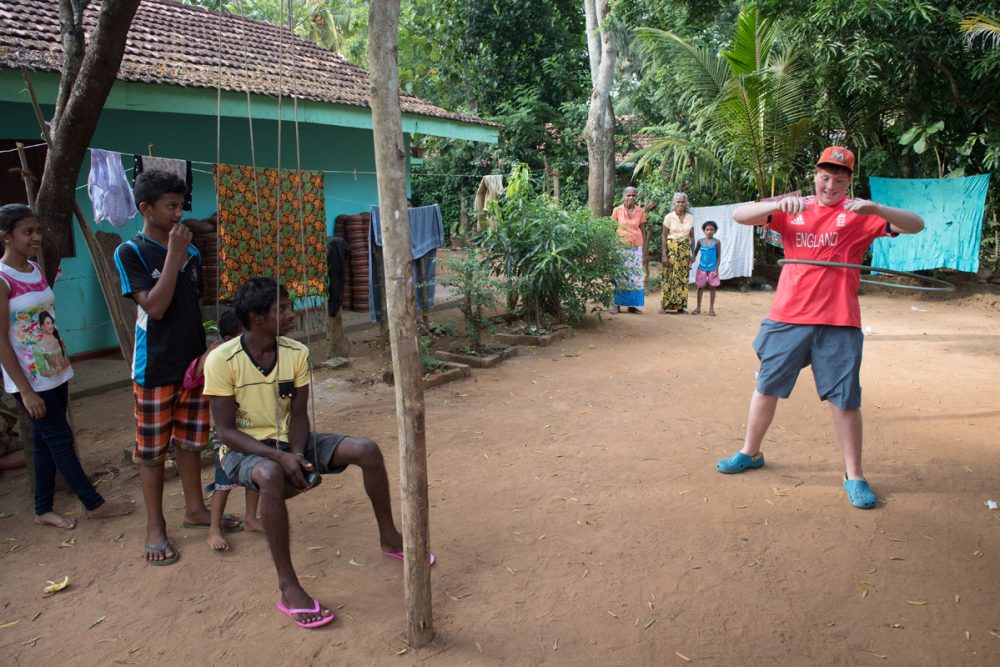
column 837, row 155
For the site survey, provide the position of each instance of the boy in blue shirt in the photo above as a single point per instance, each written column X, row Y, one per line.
column 161, row 271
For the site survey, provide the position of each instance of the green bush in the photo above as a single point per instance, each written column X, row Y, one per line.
column 553, row 261
column 470, row 276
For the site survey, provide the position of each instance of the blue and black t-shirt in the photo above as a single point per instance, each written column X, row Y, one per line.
column 164, row 348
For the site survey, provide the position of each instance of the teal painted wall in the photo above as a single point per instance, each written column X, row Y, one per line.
column 83, row 318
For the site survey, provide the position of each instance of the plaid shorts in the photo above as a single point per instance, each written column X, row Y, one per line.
column 168, row 414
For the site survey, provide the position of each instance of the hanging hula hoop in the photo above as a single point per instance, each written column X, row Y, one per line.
column 932, row 284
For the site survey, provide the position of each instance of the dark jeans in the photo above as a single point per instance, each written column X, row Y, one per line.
column 53, row 440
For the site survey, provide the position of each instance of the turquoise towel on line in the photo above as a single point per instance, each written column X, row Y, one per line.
column 952, row 209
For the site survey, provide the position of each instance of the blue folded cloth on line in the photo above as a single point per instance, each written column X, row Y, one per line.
column 426, row 236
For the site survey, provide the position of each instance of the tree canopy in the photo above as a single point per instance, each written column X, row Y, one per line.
column 739, row 96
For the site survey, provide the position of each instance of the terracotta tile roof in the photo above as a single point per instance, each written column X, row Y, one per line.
column 182, row 45
column 632, row 124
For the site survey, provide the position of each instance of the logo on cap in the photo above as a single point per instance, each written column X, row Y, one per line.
column 837, row 155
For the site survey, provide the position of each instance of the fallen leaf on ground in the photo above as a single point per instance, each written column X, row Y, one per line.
column 7, row 625
column 682, row 656
column 70, row 543
column 355, row 563
column 4, row 515
column 649, row 624
column 97, row 622
column 916, row 603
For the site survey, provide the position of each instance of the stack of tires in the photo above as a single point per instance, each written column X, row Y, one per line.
column 354, row 229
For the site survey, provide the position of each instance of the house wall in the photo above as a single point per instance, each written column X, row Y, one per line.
column 84, row 322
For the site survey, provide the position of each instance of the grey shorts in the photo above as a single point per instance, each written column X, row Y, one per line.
column 319, row 450
column 834, row 353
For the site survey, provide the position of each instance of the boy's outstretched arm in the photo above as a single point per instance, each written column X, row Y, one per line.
column 754, row 214
column 900, row 220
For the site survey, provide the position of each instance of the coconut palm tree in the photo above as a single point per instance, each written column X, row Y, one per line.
column 750, row 113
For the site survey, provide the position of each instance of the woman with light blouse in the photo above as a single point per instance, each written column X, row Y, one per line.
column 678, row 239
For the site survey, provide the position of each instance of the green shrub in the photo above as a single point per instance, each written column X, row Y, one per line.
column 470, row 276
column 553, row 261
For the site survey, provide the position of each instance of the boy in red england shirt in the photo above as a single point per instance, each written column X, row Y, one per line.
column 815, row 317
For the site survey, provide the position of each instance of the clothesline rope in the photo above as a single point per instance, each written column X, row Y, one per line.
column 14, row 150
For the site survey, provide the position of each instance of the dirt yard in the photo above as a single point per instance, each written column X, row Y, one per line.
column 578, row 518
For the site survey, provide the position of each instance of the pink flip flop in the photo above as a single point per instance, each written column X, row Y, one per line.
column 328, row 616
column 398, row 555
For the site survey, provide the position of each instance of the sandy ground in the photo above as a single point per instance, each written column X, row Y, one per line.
column 578, row 518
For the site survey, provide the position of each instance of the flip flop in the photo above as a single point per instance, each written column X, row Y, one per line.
column 226, row 529
column 162, row 549
column 398, row 555
column 327, row 617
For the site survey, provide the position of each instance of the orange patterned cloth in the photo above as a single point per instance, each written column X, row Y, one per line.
column 272, row 247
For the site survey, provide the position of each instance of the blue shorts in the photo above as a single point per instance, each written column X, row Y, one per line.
column 833, row 352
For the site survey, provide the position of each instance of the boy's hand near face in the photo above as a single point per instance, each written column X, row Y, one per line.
column 179, row 239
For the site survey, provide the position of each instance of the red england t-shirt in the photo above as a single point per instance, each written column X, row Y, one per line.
column 818, row 294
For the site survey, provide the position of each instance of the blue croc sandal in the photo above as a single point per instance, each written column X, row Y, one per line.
column 860, row 494
column 739, row 462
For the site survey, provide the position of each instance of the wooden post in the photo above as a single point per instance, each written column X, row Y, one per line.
column 423, row 291
column 390, row 167
column 29, row 178
column 546, row 171
column 337, row 343
column 105, row 275
column 463, row 219
column 29, row 189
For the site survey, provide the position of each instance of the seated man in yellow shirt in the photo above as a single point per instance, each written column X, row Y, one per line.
column 269, row 447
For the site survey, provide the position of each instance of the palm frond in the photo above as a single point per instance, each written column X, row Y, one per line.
column 752, row 42
column 708, row 74
column 684, row 154
column 981, row 25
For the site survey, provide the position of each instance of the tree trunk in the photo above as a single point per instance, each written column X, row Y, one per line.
column 84, row 86
column 599, row 131
column 400, row 306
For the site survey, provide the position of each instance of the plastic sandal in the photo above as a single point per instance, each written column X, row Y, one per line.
column 860, row 494
column 739, row 462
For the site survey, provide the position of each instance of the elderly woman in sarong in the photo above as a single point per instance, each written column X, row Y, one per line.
column 631, row 219
column 678, row 239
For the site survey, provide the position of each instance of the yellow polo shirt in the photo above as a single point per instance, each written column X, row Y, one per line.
column 231, row 371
